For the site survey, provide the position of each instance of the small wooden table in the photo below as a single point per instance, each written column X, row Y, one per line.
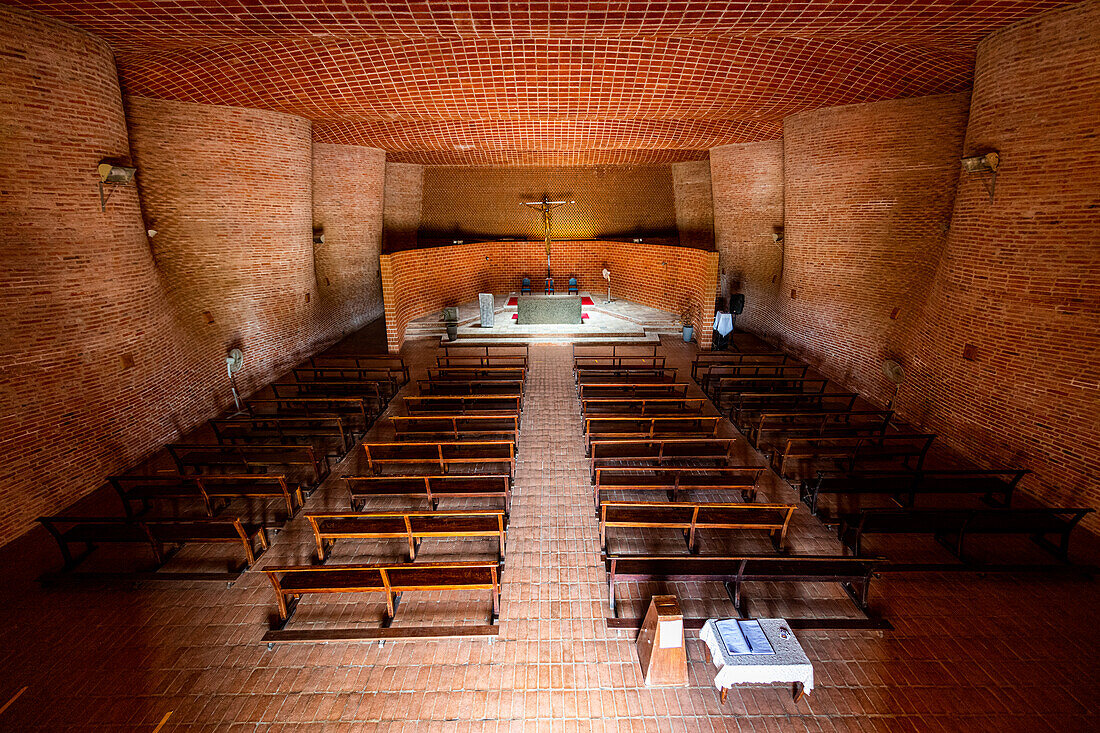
column 789, row 664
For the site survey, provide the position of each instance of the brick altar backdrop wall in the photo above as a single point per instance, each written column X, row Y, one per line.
column 868, row 194
column 691, row 188
column 88, row 346
column 348, row 182
column 747, row 183
column 403, row 199
column 680, row 280
column 1020, row 277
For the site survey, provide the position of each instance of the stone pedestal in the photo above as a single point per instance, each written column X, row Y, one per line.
column 485, row 300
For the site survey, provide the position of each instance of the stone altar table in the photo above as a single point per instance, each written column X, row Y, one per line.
column 549, row 309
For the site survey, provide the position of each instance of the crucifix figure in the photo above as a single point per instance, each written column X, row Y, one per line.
column 546, row 206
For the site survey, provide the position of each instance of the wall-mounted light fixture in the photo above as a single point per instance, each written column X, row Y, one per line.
column 984, row 165
column 111, row 174
column 318, row 235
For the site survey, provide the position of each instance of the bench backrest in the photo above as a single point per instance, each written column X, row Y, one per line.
column 455, row 424
column 633, row 390
column 357, row 407
column 654, row 425
column 460, row 404
column 742, row 567
column 734, row 477
column 465, row 374
column 626, row 375
column 642, row 406
column 661, row 448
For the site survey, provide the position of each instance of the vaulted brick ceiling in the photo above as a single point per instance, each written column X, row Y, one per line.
column 582, row 82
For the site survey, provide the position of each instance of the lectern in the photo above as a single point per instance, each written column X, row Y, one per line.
column 661, row 644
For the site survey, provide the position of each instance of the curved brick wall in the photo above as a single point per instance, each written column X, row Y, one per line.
column 1020, row 276
column 80, row 290
column 674, row 279
column 868, row 191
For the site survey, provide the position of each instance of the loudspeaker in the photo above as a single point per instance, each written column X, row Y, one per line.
column 737, row 303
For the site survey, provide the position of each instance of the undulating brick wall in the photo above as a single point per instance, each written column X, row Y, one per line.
column 1019, row 280
column 747, row 184
column 348, row 183
column 868, row 191
column 694, row 202
column 680, row 280
column 403, row 198
column 89, row 349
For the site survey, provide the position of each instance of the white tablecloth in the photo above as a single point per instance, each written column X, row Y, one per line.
column 789, row 663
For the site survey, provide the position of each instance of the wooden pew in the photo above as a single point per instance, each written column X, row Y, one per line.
column 163, row 536
column 625, row 375
column 632, row 390
column 614, row 353
column 194, row 457
column 747, row 406
column 471, row 387
column 441, row 454
column 724, row 387
column 487, row 354
column 412, row 526
column 456, row 427
column 461, row 404
column 904, row 486
column 960, row 523
column 385, row 378
column 717, row 372
column 691, row 517
column 704, row 360
column 771, row 428
column 610, row 363
column 466, row 374
column 675, row 479
column 645, row 406
column 207, row 489
column 370, row 391
column 502, row 362
column 356, row 411
column 319, row 431
column 616, row 427
column 904, row 450
column 291, row 582
column 854, row 574
column 658, row 451
column 394, row 365
column 432, row 488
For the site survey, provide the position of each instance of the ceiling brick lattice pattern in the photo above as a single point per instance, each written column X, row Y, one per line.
column 541, row 83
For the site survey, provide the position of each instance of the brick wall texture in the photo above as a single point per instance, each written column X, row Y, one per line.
column 675, row 279
column 694, row 202
column 403, row 199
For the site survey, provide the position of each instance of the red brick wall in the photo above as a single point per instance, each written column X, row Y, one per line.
column 694, row 202
column 401, row 210
column 1020, row 276
column 868, row 191
column 348, row 183
column 78, row 287
column 680, row 280
column 747, row 181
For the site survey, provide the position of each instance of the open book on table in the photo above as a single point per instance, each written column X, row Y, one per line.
column 742, row 636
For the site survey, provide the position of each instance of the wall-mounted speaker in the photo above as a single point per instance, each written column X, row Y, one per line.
column 737, row 303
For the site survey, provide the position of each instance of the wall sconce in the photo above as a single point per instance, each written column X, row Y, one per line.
column 112, row 175
column 985, row 165
column 318, row 235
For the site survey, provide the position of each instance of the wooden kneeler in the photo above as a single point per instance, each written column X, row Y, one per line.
column 661, row 644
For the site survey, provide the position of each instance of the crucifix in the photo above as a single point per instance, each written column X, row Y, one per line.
column 546, row 206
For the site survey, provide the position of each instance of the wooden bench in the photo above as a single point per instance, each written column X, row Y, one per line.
column 486, row 354
column 412, row 526
column 198, row 456
column 394, row 365
column 772, row 427
column 320, row 431
column 896, row 450
column 207, row 489
column 723, row 387
column 854, row 574
column 704, row 360
column 452, row 362
column 657, row 451
column 441, row 454
column 386, row 379
column 432, row 488
column 691, row 517
column 158, row 534
column 370, row 391
column 717, row 372
column 747, row 406
column 961, row 523
column 466, row 374
column 662, row 426
column 510, row 404
column 471, row 387
column 613, row 353
column 629, row 375
column 632, row 390
column 291, row 582
column 356, row 411
column 904, row 486
column 673, row 480
column 455, row 427
column 652, row 406
column 597, row 363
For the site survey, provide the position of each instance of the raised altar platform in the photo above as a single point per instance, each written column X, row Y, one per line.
column 543, row 309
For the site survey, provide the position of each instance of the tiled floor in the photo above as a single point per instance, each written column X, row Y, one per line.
column 999, row 652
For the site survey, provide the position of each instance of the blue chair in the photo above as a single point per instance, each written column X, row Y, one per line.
column 573, row 285
column 549, row 285
column 525, row 289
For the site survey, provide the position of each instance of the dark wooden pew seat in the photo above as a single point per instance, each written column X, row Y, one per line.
column 412, row 526
column 693, row 517
column 329, row 433
column 674, row 480
column 456, row 427
column 632, row 390
column 394, row 365
column 509, row 404
column 625, row 375
column 197, row 457
column 358, row 412
column 662, row 426
column 658, row 451
column 995, row 486
column 851, row 453
column 643, row 407
column 441, row 455
column 748, row 406
column 210, row 490
column 431, row 487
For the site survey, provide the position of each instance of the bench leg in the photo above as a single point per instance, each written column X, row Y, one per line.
column 391, row 609
column 722, row 695
column 797, row 691
column 287, row 606
column 733, row 590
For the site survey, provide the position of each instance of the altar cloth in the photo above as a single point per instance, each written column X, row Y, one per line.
column 789, row 664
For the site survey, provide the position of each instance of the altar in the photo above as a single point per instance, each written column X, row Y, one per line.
column 549, row 309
